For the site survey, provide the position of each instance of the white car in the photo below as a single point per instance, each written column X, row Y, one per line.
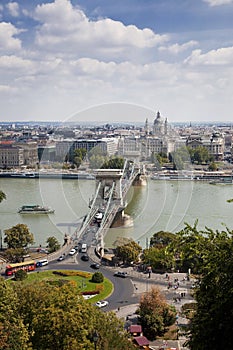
column 102, row 303
column 72, row 251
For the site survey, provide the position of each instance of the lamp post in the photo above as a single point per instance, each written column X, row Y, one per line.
column 95, row 338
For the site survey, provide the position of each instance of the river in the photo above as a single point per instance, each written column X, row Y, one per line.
column 160, row 205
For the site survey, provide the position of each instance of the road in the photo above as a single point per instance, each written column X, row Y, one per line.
column 123, row 292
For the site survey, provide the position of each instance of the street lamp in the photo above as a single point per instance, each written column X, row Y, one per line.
column 95, row 338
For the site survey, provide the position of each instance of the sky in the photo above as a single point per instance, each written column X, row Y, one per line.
column 112, row 61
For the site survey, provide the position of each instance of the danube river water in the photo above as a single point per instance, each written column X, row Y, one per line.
column 160, row 205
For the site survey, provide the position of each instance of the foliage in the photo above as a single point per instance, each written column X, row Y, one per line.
column 211, row 326
column 180, row 157
column 96, row 161
column 160, row 259
column 199, row 155
column 2, row 196
column 55, row 317
column 161, row 239
column 13, row 332
column 20, row 275
column 189, row 248
column 18, row 236
column 15, row 254
column 67, row 273
column 128, row 252
column 155, row 314
column 53, row 244
column 213, row 166
column 97, row 277
column 113, row 163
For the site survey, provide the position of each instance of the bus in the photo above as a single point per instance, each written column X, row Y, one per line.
column 26, row 266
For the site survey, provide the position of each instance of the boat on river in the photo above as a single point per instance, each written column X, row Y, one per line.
column 35, row 209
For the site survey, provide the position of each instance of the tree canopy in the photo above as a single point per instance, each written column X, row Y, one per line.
column 44, row 316
column 155, row 314
column 212, row 324
column 18, row 236
column 128, row 252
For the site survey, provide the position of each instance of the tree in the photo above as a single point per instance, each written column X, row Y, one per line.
column 53, row 244
column 212, row 324
column 18, row 236
column 56, row 317
column 13, row 332
column 162, row 239
column 20, row 275
column 155, row 314
column 114, row 163
column 97, row 277
column 160, row 259
column 2, row 196
column 129, row 252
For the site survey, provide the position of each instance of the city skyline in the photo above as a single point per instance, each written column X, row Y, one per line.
column 85, row 60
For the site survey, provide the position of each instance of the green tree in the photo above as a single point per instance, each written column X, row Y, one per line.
column 13, row 332
column 18, row 236
column 213, row 166
column 114, row 163
column 2, row 196
column 96, row 161
column 180, row 158
column 57, row 317
column 53, row 244
column 20, row 275
column 155, row 314
column 97, row 277
column 162, row 239
column 160, row 259
column 211, row 326
column 129, row 252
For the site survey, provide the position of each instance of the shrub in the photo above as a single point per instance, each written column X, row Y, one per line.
column 97, row 277
column 20, row 275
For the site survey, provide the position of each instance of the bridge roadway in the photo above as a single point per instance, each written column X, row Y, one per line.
column 93, row 232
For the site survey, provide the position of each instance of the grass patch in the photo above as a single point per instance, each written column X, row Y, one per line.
column 82, row 281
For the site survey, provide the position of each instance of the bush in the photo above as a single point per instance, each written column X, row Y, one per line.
column 97, row 277
column 20, row 275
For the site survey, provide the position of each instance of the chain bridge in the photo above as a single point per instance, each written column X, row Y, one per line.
column 108, row 203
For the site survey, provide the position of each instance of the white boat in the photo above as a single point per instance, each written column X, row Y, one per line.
column 35, row 209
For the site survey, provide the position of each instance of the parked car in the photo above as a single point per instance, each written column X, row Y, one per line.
column 102, row 303
column 95, row 266
column 72, row 251
column 85, row 257
column 120, row 274
column 61, row 257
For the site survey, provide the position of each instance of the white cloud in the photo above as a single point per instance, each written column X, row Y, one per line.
column 66, row 28
column 177, row 48
column 13, row 8
column 14, row 62
column 7, row 41
column 219, row 57
column 218, row 2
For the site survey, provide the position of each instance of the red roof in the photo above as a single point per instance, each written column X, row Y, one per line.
column 141, row 341
column 135, row 328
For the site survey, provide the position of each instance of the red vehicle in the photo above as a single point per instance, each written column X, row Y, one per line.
column 26, row 266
